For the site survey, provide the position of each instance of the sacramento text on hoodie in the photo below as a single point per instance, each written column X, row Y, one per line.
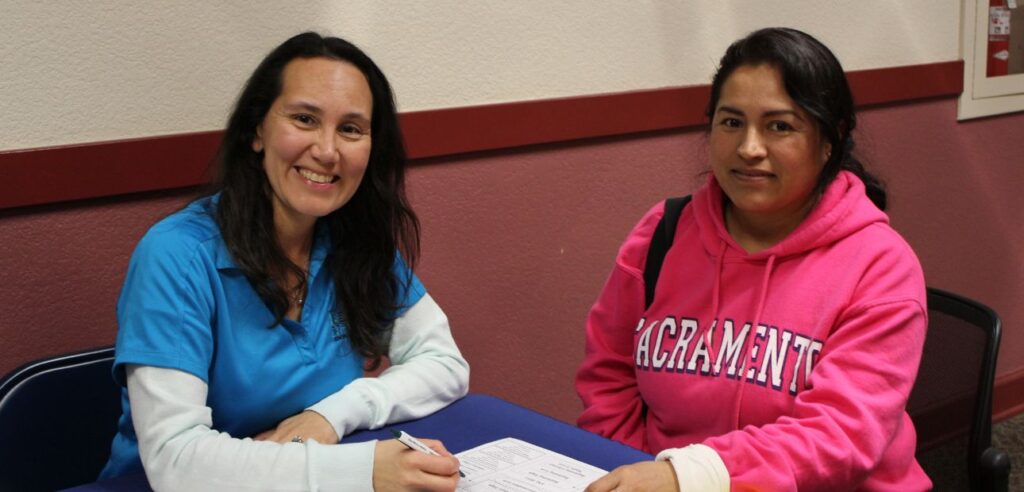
column 814, row 397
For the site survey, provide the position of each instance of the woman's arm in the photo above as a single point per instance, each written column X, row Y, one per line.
column 847, row 419
column 841, row 426
column 180, row 450
column 606, row 381
column 427, row 373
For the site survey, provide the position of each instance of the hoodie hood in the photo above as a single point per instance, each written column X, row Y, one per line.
column 841, row 211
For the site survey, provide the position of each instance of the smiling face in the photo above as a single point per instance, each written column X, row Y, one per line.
column 766, row 151
column 315, row 139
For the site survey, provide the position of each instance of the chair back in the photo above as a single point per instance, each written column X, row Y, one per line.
column 57, row 419
column 951, row 403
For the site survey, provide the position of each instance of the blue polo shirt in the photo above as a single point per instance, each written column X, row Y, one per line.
column 185, row 305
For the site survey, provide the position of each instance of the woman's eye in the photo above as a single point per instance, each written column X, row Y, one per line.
column 730, row 123
column 780, row 126
column 304, row 119
column 351, row 131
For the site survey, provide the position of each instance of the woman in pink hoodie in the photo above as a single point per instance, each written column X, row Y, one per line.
column 787, row 325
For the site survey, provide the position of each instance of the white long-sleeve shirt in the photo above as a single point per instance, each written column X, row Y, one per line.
column 181, row 451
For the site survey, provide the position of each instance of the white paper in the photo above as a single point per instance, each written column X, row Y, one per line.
column 511, row 465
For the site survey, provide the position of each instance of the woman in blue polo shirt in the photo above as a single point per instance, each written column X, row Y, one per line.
column 246, row 318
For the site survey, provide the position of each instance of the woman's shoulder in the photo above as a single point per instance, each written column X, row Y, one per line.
column 859, row 230
column 186, row 230
column 633, row 252
column 890, row 268
column 883, row 242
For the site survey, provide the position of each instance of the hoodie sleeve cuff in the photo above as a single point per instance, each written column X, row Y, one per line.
column 698, row 467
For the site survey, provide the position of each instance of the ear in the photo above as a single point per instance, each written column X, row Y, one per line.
column 257, row 141
column 826, row 152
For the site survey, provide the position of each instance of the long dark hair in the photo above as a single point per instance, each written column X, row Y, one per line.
column 814, row 79
column 365, row 233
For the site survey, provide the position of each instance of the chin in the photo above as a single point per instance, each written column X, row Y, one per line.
column 321, row 212
column 320, row 208
column 753, row 204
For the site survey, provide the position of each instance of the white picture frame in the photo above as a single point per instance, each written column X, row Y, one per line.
column 982, row 95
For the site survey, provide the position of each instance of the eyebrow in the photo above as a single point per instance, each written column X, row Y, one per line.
column 313, row 108
column 775, row 112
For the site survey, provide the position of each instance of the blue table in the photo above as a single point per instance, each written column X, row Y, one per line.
column 470, row 422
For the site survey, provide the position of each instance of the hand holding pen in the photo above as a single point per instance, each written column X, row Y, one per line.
column 396, row 468
column 415, row 444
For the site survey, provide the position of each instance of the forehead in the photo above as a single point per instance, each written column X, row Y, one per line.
column 325, row 79
column 756, row 87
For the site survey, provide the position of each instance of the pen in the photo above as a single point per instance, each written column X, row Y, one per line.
column 414, row 444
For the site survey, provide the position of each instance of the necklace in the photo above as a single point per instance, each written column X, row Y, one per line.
column 296, row 297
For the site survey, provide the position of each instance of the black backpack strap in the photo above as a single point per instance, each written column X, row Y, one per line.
column 661, row 242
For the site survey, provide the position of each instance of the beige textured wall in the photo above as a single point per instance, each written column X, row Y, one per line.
column 80, row 71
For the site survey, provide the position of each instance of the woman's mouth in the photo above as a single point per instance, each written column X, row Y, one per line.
column 317, row 177
column 751, row 174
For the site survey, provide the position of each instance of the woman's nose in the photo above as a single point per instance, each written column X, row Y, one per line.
column 325, row 149
column 752, row 147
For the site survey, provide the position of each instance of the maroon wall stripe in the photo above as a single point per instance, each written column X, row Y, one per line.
column 47, row 175
column 898, row 84
column 458, row 130
column 1008, row 396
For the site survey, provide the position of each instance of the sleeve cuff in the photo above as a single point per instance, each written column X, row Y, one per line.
column 346, row 410
column 427, row 372
column 344, row 467
column 697, row 466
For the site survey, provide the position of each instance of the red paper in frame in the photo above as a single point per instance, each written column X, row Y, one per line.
column 998, row 39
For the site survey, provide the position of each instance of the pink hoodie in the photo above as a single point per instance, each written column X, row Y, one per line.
column 814, row 398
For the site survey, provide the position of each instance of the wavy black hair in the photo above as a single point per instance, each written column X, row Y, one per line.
column 366, row 233
column 814, row 79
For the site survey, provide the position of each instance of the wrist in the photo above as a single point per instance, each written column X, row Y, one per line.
column 699, row 466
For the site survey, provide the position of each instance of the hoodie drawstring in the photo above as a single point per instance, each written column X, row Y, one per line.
column 750, row 338
column 715, row 297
